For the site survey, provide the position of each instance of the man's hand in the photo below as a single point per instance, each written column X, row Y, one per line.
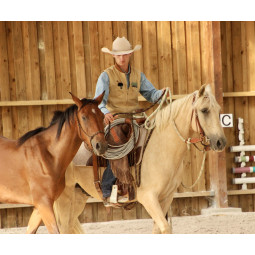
column 164, row 90
column 108, row 118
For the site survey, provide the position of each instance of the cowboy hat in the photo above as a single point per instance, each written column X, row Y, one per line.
column 121, row 46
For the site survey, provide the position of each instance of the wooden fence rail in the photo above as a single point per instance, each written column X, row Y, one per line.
column 141, row 99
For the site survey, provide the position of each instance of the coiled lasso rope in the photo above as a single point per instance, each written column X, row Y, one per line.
column 149, row 123
column 119, row 151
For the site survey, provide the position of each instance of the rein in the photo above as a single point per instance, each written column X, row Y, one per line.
column 200, row 173
column 90, row 136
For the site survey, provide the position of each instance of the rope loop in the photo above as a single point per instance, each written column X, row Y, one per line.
column 149, row 123
column 119, row 151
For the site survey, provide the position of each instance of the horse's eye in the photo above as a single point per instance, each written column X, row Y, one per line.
column 205, row 110
column 83, row 117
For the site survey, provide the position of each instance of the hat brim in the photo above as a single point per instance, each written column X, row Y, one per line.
column 106, row 50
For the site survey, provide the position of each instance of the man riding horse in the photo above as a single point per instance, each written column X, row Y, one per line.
column 122, row 84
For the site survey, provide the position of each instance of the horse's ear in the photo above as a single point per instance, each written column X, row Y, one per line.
column 99, row 98
column 76, row 100
column 202, row 90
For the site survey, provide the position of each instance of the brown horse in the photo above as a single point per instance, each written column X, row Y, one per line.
column 32, row 169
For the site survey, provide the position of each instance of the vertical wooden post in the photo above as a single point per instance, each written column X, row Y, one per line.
column 217, row 161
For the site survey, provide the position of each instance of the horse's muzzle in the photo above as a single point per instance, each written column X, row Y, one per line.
column 218, row 143
column 100, row 148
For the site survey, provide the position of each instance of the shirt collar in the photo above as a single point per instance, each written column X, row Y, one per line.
column 119, row 68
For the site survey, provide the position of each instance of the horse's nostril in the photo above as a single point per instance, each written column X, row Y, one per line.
column 221, row 143
column 101, row 147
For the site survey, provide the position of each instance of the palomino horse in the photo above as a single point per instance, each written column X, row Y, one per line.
column 32, row 169
column 161, row 170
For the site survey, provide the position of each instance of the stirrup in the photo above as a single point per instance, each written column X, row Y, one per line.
column 114, row 194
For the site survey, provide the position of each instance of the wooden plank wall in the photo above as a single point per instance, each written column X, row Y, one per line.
column 238, row 62
column 46, row 60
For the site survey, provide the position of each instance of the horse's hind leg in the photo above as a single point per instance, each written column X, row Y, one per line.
column 34, row 222
column 153, row 207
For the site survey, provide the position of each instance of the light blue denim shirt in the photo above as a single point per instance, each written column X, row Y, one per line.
column 147, row 90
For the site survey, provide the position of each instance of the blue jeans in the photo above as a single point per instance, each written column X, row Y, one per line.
column 108, row 180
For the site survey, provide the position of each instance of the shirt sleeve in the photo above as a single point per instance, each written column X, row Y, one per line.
column 103, row 85
column 148, row 91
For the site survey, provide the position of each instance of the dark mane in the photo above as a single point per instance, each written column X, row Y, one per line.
column 30, row 134
column 59, row 117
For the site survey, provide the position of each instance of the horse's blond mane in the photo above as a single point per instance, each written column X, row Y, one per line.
column 170, row 111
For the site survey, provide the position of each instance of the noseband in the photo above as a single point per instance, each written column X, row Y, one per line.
column 203, row 139
column 91, row 137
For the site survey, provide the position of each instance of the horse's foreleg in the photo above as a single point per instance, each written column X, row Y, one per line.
column 153, row 207
column 77, row 229
column 79, row 205
column 165, row 205
column 48, row 217
column 155, row 229
column 34, row 222
column 63, row 210
column 68, row 208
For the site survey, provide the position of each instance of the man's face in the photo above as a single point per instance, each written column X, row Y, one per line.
column 122, row 60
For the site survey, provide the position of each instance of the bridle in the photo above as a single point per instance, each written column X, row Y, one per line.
column 202, row 139
column 91, row 137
